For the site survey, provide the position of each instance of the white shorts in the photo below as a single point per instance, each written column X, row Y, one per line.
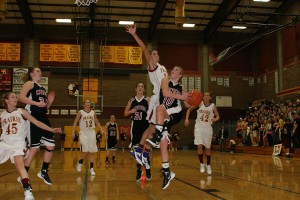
column 10, row 149
column 151, row 113
column 203, row 135
column 88, row 141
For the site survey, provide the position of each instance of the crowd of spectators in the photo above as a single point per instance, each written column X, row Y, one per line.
column 270, row 123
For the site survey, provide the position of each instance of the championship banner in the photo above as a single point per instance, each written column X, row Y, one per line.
column 107, row 54
column 10, row 52
column 2, row 52
column 60, row 53
column 46, row 52
column 135, row 55
column 121, row 55
column 73, row 54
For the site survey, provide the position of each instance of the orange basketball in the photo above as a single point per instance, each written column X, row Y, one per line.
column 195, row 98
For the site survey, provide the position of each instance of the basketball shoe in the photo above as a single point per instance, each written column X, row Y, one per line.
column 202, row 167
column 78, row 167
column 19, row 179
column 137, row 154
column 28, row 195
column 92, row 172
column 148, row 174
column 168, row 176
column 208, row 169
column 139, row 173
column 155, row 140
column 44, row 175
column 107, row 163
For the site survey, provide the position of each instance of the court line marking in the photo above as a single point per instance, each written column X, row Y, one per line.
column 237, row 178
column 208, row 191
column 84, row 190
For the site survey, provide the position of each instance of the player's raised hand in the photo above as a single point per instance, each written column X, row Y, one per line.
column 51, row 96
column 131, row 29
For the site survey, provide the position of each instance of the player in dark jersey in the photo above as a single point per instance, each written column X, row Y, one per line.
column 168, row 113
column 137, row 108
column 38, row 101
column 112, row 137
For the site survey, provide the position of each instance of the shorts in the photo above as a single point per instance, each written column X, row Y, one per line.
column 151, row 113
column 111, row 144
column 40, row 136
column 88, row 141
column 173, row 119
column 203, row 135
column 137, row 130
column 10, row 149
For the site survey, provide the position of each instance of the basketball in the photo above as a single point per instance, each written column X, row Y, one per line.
column 195, row 98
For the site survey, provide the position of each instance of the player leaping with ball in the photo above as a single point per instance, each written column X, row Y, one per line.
column 156, row 74
column 207, row 114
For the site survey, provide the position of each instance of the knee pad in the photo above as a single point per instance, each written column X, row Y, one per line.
column 49, row 150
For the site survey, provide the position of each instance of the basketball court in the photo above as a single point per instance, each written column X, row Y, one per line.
column 235, row 176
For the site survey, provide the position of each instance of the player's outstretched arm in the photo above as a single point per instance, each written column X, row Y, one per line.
column 187, row 115
column 39, row 124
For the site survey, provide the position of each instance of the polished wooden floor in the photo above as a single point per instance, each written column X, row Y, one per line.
column 235, row 176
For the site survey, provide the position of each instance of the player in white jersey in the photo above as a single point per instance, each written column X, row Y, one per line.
column 87, row 120
column 207, row 114
column 12, row 141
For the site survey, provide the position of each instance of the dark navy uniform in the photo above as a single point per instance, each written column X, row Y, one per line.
column 112, row 136
column 139, row 123
column 172, row 103
column 38, row 136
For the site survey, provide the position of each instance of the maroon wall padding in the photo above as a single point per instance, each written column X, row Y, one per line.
column 289, row 44
column 267, row 53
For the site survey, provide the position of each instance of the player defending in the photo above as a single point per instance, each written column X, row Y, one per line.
column 137, row 108
column 207, row 114
column 156, row 74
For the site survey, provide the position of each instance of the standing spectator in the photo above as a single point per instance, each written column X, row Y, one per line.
column 87, row 120
column 287, row 136
column 112, row 137
column 239, row 131
column 223, row 136
column 207, row 114
column 99, row 139
column 62, row 140
column 75, row 141
column 296, row 129
column 38, row 101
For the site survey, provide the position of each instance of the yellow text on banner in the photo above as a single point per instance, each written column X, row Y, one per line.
column 13, row 51
column 46, row 52
column 121, row 54
column 60, row 53
column 135, row 55
column 2, row 52
column 73, row 53
column 107, row 54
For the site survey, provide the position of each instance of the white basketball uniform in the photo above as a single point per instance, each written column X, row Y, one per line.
column 155, row 77
column 87, row 134
column 203, row 129
column 14, row 132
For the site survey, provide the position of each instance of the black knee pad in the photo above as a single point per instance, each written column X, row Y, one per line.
column 49, row 150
